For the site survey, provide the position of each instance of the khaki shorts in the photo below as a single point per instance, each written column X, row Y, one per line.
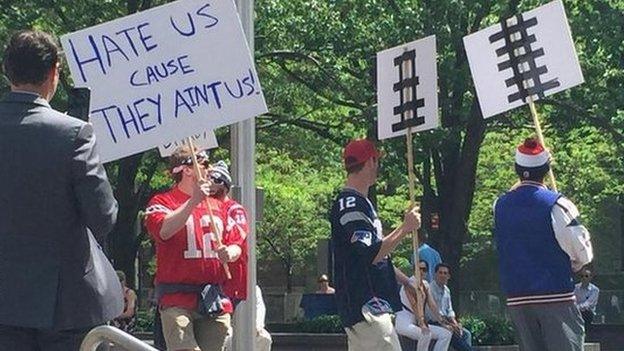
column 188, row 330
column 375, row 333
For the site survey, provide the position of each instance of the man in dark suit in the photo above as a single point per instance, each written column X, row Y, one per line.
column 55, row 283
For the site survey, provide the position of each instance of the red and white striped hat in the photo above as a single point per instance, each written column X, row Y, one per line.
column 531, row 154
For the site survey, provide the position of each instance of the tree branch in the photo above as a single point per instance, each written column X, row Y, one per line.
column 320, row 129
column 601, row 122
column 277, row 252
column 297, row 56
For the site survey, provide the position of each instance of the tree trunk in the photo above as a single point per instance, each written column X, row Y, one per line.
column 457, row 194
column 289, row 277
column 122, row 240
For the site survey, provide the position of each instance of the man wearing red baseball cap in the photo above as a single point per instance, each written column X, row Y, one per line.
column 366, row 281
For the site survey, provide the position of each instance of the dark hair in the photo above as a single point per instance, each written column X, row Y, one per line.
column 352, row 166
column 586, row 270
column 425, row 262
column 535, row 174
column 29, row 56
column 442, row 264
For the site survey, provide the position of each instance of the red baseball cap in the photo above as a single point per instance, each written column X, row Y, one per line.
column 359, row 151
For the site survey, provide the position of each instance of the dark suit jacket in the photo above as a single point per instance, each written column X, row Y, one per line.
column 54, row 194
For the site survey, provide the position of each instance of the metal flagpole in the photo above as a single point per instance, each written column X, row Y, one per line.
column 243, row 151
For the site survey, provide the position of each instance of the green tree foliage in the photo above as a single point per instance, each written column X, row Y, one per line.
column 295, row 216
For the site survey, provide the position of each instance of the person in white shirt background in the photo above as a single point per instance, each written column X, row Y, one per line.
column 586, row 296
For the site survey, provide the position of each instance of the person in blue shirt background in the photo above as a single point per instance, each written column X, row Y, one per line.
column 427, row 254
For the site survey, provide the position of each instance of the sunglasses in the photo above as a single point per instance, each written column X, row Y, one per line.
column 217, row 181
column 202, row 159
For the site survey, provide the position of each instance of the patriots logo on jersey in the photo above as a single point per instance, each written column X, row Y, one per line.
column 363, row 236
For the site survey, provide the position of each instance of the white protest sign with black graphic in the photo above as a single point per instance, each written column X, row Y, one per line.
column 202, row 141
column 528, row 56
column 407, row 90
column 164, row 74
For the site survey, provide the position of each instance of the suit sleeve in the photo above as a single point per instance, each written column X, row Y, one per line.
column 358, row 228
column 94, row 195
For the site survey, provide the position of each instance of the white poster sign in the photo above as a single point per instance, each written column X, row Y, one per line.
column 164, row 74
column 407, row 89
column 530, row 55
column 202, row 141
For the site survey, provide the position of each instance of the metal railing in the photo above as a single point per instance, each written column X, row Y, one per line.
column 107, row 333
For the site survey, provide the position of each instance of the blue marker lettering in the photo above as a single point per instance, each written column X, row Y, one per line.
column 191, row 22
column 212, row 19
column 133, row 82
column 215, row 93
column 103, row 112
column 179, row 101
column 82, row 63
column 126, row 122
column 240, row 90
column 130, row 41
column 185, row 67
column 106, row 41
column 144, row 38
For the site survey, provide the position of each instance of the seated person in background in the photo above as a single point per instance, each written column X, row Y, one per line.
column 586, row 296
column 427, row 254
column 127, row 320
column 461, row 338
column 414, row 326
column 324, row 288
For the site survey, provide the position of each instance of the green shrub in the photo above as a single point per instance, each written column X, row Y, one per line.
column 320, row 324
column 145, row 320
column 489, row 330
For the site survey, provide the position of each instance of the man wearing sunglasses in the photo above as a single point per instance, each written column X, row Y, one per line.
column 586, row 295
column 184, row 222
column 237, row 228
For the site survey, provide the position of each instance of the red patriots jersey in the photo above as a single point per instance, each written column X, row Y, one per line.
column 237, row 229
column 189, row 256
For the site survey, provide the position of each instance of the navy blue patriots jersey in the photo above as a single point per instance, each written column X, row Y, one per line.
column 356, row 240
